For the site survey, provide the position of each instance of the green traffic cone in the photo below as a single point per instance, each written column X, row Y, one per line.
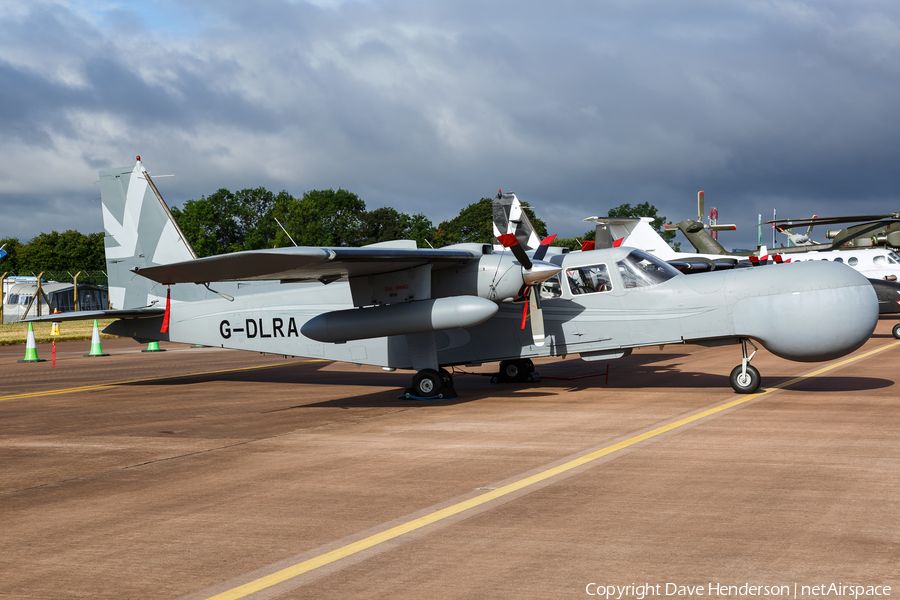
column 154, row 347
column 31, row 347
column 96, row 350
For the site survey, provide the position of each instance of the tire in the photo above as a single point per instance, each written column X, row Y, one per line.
column 896, row 331
column 515, row 371
column 745, row 384
column 446, row 379
column 427, row 383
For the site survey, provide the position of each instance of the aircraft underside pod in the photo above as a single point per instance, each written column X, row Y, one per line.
column 406, row 318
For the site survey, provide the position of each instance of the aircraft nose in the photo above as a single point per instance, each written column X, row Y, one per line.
column 810, row 311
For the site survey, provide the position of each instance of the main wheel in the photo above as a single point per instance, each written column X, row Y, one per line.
column 896, row 331
column 426, row 383
column 515, row 371
column 745, row 383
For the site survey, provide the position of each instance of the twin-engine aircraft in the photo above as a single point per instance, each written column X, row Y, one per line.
column 400, row 307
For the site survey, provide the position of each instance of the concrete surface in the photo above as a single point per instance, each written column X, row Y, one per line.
column 211, row 478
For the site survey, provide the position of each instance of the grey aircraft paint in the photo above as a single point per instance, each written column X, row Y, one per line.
column 599, row 305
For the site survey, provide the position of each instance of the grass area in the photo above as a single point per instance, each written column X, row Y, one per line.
column 17, row 333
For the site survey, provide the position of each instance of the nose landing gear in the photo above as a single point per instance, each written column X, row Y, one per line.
column 745, row 378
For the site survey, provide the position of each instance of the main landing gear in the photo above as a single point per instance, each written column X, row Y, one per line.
column 516, row 371
column 745, row 378
column 896, row 331
column 432, row 385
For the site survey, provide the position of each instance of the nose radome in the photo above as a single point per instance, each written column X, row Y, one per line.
column 810, row 311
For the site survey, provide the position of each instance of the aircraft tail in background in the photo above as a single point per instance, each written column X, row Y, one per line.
column 139, row 232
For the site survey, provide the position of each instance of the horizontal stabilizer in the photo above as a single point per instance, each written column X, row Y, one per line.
column 90, row 315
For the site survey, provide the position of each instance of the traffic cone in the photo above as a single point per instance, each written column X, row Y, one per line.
column 31, row 347
column 96, row 350
column 154, row 347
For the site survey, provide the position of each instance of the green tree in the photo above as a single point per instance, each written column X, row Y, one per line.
column 385, row 224
column 321, row 218
column 228, row 221
column 10, row 263
column 58, row 253
column 474, row 224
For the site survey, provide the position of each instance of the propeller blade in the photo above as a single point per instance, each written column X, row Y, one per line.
column 509, row 241
column 541, row 252
column 537, row 317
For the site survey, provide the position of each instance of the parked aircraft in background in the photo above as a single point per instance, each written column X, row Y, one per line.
column 400, row 307
column 871, row 262
column 880, row 231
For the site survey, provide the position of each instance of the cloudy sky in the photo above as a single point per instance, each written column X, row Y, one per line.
column 427, row 106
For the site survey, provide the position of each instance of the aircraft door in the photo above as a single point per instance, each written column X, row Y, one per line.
column 595, row 296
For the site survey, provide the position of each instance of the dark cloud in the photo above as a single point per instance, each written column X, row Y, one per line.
column 427, row 107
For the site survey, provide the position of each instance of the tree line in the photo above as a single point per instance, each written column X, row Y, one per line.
column 256, row 218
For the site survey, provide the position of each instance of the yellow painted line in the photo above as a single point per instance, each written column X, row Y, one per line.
column 101, row 386
column 410, row 526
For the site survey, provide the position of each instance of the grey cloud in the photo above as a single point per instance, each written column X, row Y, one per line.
column 429, row 106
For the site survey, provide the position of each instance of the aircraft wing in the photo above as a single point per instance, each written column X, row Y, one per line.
column 90, row 315
column 304, row 263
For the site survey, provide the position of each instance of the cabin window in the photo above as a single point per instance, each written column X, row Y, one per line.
column 852, row 261
column 639, row 269
column 550, row 288
column 839, row 259
column 588, row 280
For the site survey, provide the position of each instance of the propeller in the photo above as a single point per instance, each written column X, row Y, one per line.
column 534, row 271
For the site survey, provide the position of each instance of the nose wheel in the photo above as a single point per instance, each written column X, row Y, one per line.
column 745, row 378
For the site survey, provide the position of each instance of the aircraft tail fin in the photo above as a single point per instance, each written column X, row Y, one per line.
column 636, row 232
column 139, row 232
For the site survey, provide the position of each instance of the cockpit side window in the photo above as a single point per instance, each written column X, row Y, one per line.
column 893, row 258
column 588, row 280
column 639, row 269
column 880, row 260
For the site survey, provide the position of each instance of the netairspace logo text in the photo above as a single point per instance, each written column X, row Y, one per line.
column 662, row 590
